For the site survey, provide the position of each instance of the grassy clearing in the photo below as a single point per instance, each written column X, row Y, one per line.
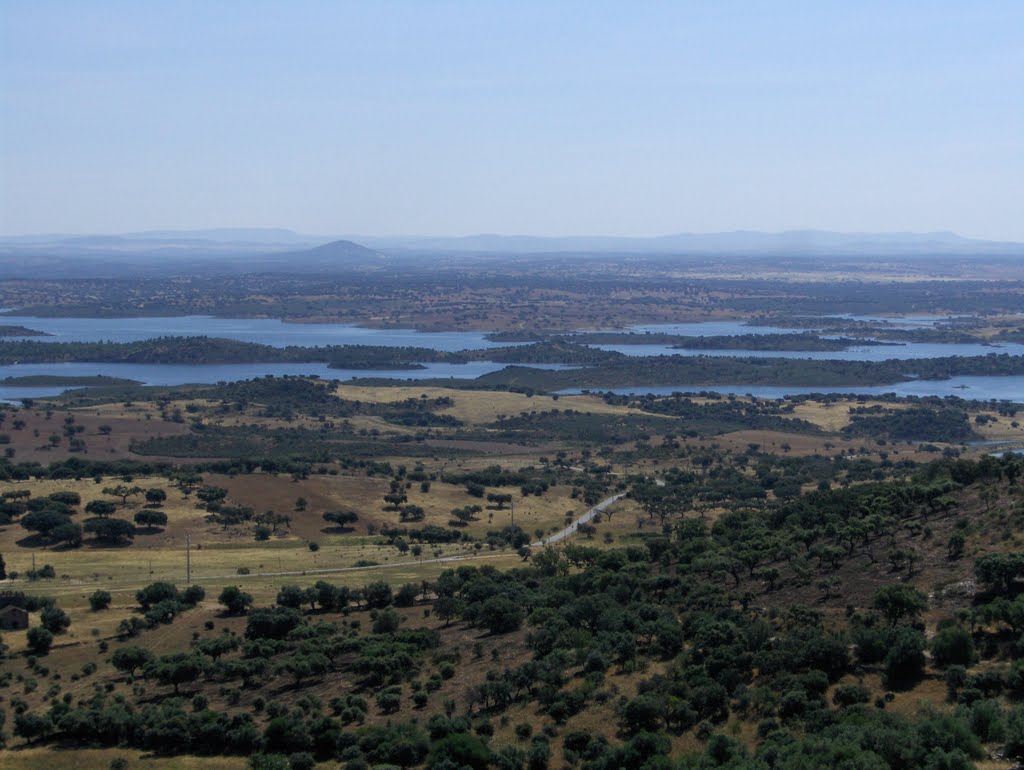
column 833, row 416
column 127, row 425
column 478, row 407
column 221, row 554
column 1001, row 428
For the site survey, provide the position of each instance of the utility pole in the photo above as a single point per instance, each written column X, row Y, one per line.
column 513, row 503
column 188, row 559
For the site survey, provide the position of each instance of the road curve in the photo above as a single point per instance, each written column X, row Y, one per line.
column 571, row 529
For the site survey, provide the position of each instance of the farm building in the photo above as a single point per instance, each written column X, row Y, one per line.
column 13, row 618
column 13, row 615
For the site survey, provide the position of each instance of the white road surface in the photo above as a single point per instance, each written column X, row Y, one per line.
column 571, row 529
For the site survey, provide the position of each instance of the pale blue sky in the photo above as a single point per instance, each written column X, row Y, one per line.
column 618, row 118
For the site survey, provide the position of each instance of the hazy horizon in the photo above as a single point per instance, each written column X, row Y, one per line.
column 546, row 120
column 291, row 232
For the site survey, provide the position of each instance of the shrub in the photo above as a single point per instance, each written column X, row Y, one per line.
column 952, row 645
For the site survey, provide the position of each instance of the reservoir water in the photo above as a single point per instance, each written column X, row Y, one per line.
column 279, row 334
column 266, row 331
column 902, row 351
column 181, row 374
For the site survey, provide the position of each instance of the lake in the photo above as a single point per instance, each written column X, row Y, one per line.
column 182, row 374
column 277, row 333
column 266, row 331
column 902, row 351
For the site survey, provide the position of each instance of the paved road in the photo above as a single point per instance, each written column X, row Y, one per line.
column 571, row 529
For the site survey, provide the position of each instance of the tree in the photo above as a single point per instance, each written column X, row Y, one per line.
column 272, row 623
column 446, row 608
column 112, row 531
column 155, row 593
column 386, row 622
column 988, row 495
column 44, row 522
column 378, row 595
column 99, row 600
column 509, row 757
column 460, row 750
column 32, row 726
column 303, row 760
column 156, row 496
column 661, row 501
column 465, row 514
column 68, row 533
column 389, row 700
column 539, row 754
column 131, row 659
column 394, row 500
column 291, row 596
column 899, row 602
column 213, row 495
column 186, row 481
column 176, row 670
column 499, row 500
column 904, row 663
column 3, row 568
column 850, row 695
column 956, row 545
column 952, row 645
column 39, row 640
column 192, row 595
column 1000, row 571
column 101, row 508
column 130, row 627
column 341, row 518
column 327, row 595
column 151, row 519
column 66, row 497
column 287, row 734
column 235, row 600
column 771, row 576
column 217, row 646
column 499, row 615
column 54, row 620
column 123, row 491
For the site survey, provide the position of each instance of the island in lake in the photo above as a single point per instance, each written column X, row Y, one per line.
column 21, row 331
column 53, row 380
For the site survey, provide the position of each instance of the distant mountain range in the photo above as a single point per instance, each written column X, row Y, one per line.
column 261, row 236
column 160, row 252
column 734, row 243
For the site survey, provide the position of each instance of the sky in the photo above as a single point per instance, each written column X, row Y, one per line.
column 545, row 117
